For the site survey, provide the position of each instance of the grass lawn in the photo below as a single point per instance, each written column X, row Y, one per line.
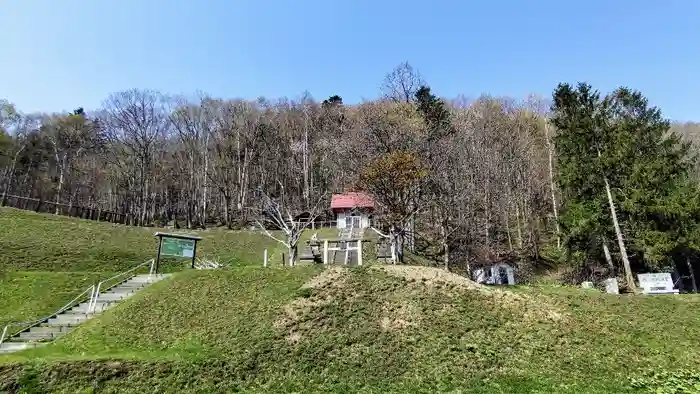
column 364, row 330
column 41, row 242
column 368, row 329
column 26, row 296
column 47, row 260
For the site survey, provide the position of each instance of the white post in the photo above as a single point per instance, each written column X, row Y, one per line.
column 359, row 252
column 94, row 301
column 265, row 258
column 151, row 268
column 92, row 297
column 325, row 251
column 4, row 333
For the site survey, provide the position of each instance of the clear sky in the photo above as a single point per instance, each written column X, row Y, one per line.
column 60, row 54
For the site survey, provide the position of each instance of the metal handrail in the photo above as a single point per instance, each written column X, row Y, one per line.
column 96, row 293
column 32, row 323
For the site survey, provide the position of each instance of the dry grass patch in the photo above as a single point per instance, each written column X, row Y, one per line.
column 429, row 276
column 399, row 315
column 294, row 313
column 330, row 275
column 533, row 309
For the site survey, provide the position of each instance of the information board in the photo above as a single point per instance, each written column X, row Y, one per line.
column 656, row 283
column 177, row 247
column 662, row 280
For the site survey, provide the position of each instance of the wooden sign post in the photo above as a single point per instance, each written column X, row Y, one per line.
column 177, row 245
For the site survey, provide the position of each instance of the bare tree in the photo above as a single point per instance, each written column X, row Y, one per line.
column 12, row 146
column 402, row 83
column 71, row 137
column 137, row 120
column 550, row 161
column 450, row 185
column 235, row 139
column 281, row 216
column 193, row 123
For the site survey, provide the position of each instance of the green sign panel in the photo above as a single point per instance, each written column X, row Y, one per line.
column 177, row 247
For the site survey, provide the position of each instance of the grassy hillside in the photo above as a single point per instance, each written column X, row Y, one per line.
column 46, row 260
column 40, row 242
column 27, row 296
column 403, row 329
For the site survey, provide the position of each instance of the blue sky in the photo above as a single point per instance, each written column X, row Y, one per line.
column 58, row 55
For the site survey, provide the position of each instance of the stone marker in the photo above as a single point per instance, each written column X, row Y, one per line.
column 587, row 285
column 611, row 286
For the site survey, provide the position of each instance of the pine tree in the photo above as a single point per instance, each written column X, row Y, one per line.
column 433, row 111
column 618, row 152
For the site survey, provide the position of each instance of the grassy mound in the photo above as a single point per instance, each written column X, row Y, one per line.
column 396, row 329
column 196, row 315
column 40, row 242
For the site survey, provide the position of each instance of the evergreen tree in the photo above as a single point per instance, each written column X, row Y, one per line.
column 433, row 111
column 617, row 152
column 332, row 101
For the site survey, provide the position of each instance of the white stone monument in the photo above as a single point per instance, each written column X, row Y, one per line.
column 587, row 285
column 611, row 286
column 659, row 283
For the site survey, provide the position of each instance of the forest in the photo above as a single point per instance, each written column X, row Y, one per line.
column 587, row 182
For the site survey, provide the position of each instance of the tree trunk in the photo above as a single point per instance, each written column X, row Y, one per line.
column 692, row 275
column 608, row 257
column 205, row 190
column 398, row 240
column 550, row 150
column 71, row 199
column 510, row 239
column 227, row 210
column 61, row 179
column 152, row 211
column 520, row 233
column 446, row 250
column 144, row 198
column 8, row 181
column 292, row 255
column 10, row 173
column 188, row 210
column 620, row 241
column 487, row 215
column 306, row 160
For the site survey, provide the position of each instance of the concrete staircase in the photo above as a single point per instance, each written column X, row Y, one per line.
column 63, row 323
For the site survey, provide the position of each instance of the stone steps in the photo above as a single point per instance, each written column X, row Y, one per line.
column 9, row 347
column 62, row 324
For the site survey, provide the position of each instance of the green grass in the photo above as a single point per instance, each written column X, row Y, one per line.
column 47, row 260
column 40, row 242
column 196, row 315
column 26, row 296
column 254, row 330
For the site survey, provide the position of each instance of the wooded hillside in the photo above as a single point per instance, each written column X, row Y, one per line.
column 471, row 180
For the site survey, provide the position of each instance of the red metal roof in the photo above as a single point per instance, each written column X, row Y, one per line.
column 351, row 200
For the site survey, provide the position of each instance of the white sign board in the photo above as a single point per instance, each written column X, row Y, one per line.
column 656, row 283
